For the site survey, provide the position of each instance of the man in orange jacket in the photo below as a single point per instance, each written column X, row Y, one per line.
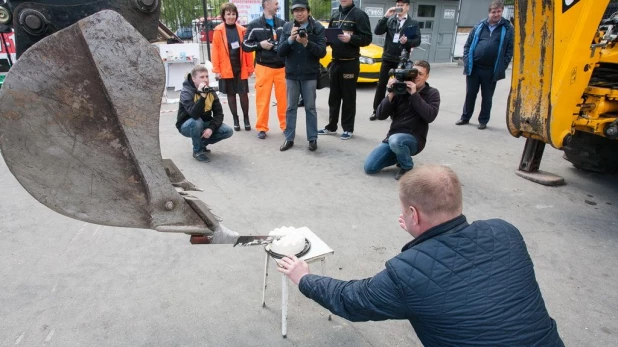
column 261, row 37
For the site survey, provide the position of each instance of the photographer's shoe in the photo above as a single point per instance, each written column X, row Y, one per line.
column 400, row 173
column 462, row 122
column 326, row 132
column 346, row 135
column 373, row 116
column 482, row 126
column 201, row 156
column 262, row 135
column 286, row 145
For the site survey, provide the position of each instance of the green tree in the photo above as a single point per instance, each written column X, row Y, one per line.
column 180, row 13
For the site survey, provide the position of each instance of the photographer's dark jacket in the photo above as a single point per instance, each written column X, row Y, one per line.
column 489, row 50
column 257, row 31
column 355, row 20
column 303, row 63
column 193, row 105
column 411, row 114
column 458, row 284
column 390, row 27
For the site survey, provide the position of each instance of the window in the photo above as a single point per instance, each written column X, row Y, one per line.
column 426, row 11
column 428, row 24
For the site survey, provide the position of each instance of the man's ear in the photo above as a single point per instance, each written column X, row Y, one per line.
column 415, row 215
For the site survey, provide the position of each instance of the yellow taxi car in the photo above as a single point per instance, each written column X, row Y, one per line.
column 370, row 61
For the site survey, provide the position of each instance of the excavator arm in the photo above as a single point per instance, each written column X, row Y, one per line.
column 79, row 119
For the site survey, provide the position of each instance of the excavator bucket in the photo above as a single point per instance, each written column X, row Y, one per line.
column 79, row 129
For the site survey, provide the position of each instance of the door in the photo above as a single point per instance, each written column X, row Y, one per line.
column 445, row 32
column 425, row 13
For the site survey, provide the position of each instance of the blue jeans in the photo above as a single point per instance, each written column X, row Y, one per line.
column 399, row 149
column 307, row 90
column 194, row 128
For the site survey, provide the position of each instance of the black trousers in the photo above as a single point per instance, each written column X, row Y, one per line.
column 381, row 90
column 343, row 76
column 479, row 78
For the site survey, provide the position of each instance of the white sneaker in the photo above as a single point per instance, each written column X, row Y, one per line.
column 326, row 132
column 346, row 135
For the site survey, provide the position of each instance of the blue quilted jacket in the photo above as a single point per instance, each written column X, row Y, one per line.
column 458, row 284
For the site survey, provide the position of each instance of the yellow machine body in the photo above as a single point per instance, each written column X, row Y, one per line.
column 557, row 48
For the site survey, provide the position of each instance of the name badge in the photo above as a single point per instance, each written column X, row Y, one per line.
column 235, row 45
column 396, row 38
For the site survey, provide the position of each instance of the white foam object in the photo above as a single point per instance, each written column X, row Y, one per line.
column 291, row 241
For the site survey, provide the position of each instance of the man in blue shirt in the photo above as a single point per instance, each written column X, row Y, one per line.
column 487, row 54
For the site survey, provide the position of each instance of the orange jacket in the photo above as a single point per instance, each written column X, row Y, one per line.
column 221, row 63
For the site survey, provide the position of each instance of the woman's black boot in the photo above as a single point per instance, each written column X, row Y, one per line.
column 236, row 123
column 247, row 124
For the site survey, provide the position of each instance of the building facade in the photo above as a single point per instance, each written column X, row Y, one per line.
column 444, row 24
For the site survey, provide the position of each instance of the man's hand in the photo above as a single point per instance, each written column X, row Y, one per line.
column 303, row 41
column 266, row 45
column 411, row 87
column 345, row 37
column 403, row 39
column 390, row 12
column 207, row 133
column 294, row 33
column 217, row 76
column 200, row 87
column 294, row 268
column 402, row 223
column 389, row 85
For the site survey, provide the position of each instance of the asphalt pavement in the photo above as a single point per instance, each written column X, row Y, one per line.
column 70, row 283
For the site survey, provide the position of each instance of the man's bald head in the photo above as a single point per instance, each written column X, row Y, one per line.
column 434, row 190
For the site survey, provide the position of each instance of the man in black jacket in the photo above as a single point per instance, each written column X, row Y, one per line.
column 261, row 37
column 200, row 115
column 457, row 283
column 345, row 66
column 395, row 24
column 411, row 114
column 302, row 45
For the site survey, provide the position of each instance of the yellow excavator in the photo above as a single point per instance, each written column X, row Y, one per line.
column 564, row 89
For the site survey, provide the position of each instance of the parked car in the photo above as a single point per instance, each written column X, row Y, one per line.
column 370, row 61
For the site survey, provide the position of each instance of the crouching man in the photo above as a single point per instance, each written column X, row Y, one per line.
column 411, row 112
column 458, row 283
column 200, row 115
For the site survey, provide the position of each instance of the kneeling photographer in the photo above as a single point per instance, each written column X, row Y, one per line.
column 412, row 104
column 200, row 115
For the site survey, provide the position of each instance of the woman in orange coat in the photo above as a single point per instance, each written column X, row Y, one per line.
column 231, row 65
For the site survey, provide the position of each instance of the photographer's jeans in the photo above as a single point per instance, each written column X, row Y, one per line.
column 399, row 149
column 194, row 128
column 307, row 90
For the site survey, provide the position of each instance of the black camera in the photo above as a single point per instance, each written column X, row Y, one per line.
column 302, row 33
column 404, row 72
column 207, row 90
column 274, row 43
